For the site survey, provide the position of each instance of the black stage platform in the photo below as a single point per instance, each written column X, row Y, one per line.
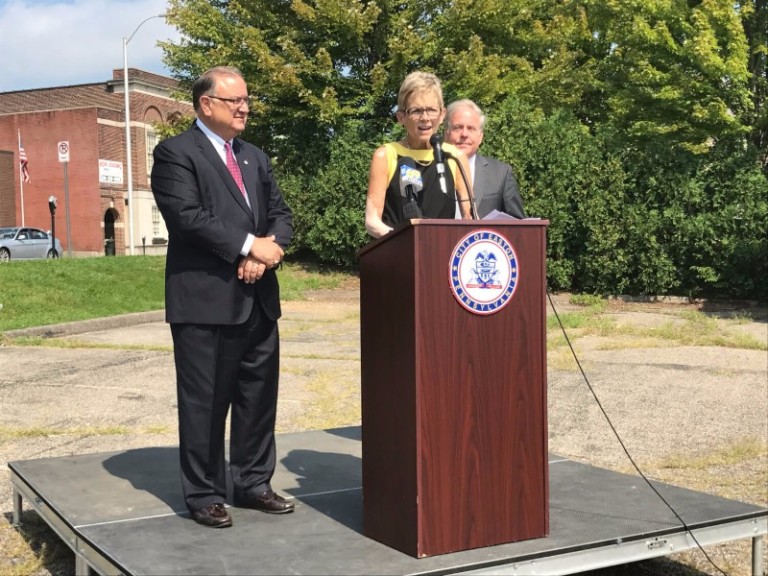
column 122, row 512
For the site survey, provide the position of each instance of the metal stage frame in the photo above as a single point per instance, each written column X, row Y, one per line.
column 122, row 513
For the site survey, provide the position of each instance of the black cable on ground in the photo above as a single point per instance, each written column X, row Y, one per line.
column 623, row 447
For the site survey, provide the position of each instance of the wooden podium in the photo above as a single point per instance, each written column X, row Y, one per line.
column 454, row 406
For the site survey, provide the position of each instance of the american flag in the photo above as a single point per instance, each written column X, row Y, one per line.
column 23, row 163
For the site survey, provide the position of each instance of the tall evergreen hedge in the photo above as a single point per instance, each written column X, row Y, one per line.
column 623, row 219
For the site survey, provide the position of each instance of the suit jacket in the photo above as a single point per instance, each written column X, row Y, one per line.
column 208, row 221
column 495, row 187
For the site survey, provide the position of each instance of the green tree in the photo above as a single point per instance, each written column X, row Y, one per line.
column 667, row 73
column 755, row 18
column 635, row 125
column 310, row 65
column 328, row 207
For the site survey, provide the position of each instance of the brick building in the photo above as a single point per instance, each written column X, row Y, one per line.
column 91, row 118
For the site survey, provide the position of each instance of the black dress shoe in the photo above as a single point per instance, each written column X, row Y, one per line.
column 268, row 502
column 213, row 515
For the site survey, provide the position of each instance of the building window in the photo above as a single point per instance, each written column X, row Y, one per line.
column 155, row 222
column 151, row 143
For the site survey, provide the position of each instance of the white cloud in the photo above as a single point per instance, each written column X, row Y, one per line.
column 59, row 43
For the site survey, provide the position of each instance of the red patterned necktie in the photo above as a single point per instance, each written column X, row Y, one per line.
column 234, row 169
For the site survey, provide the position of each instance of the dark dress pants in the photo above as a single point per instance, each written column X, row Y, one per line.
column 218, row 367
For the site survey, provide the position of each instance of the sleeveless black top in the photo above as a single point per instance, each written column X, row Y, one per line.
column 431, row 200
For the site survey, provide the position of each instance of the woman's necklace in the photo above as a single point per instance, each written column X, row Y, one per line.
column 420, row 162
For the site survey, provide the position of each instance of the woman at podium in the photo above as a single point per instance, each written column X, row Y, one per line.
column 416, row 177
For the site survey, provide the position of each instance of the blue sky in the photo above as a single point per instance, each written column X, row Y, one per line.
column 61, row 43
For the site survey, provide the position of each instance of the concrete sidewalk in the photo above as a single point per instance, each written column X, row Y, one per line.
column 117, row 374
column 109, row 384
column 93, row 325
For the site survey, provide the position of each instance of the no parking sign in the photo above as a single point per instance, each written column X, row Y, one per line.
column 63, row 148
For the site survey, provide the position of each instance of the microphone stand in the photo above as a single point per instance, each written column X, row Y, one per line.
column 468, row 184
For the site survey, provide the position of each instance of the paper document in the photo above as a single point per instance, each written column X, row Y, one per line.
column 497, row 215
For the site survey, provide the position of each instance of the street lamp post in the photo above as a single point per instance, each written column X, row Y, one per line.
column 52, row 207
column 128, row 158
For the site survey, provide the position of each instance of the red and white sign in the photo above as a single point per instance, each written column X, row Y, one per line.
column 110, row 172
column 63, row 148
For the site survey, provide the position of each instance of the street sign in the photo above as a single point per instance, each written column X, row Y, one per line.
column 63, row 149
column 110, row 172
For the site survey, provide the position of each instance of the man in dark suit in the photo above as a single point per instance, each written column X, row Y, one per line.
column 493, row 182
column 228, row 227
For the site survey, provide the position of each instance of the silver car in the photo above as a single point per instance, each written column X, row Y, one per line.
column 21, row 243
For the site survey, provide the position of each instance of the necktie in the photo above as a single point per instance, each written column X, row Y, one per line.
column 234, row 169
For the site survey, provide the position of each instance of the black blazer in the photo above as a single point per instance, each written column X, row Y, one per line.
column 208, row 221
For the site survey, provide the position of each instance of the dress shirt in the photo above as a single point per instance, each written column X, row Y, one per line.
column 218, row 145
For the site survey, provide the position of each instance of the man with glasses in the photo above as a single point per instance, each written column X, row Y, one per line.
column 228, row 228
column 493, row 182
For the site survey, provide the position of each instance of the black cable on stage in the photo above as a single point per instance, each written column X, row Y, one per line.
column 623, row 447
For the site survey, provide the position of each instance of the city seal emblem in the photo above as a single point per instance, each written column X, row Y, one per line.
column 483, row 272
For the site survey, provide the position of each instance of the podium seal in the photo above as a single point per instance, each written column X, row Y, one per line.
column 483, row 272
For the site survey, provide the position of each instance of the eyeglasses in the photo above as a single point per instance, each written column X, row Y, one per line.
column 234, row 102
column 416, row 113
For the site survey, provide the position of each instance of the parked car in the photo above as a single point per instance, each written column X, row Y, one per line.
column 21, row 243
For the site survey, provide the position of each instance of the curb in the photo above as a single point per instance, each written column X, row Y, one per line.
column 82, row 326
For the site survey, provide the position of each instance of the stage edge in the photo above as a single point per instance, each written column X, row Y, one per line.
column 626, row 552
column 87, row 560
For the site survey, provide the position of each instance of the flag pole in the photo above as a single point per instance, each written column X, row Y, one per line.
column 21, row 180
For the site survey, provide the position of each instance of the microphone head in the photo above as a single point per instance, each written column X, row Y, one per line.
column 409, row 177
column 437, row 147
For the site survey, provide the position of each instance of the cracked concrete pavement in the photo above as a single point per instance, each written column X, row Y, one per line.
column 109, row 385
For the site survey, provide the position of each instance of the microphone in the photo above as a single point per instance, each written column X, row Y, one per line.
column 410, row 186
column 437, row 149
column 468, row 185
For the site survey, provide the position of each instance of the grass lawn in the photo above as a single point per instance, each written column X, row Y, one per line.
column 42, row 292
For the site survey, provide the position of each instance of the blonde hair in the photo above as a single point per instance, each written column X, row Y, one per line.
column 419, row 82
